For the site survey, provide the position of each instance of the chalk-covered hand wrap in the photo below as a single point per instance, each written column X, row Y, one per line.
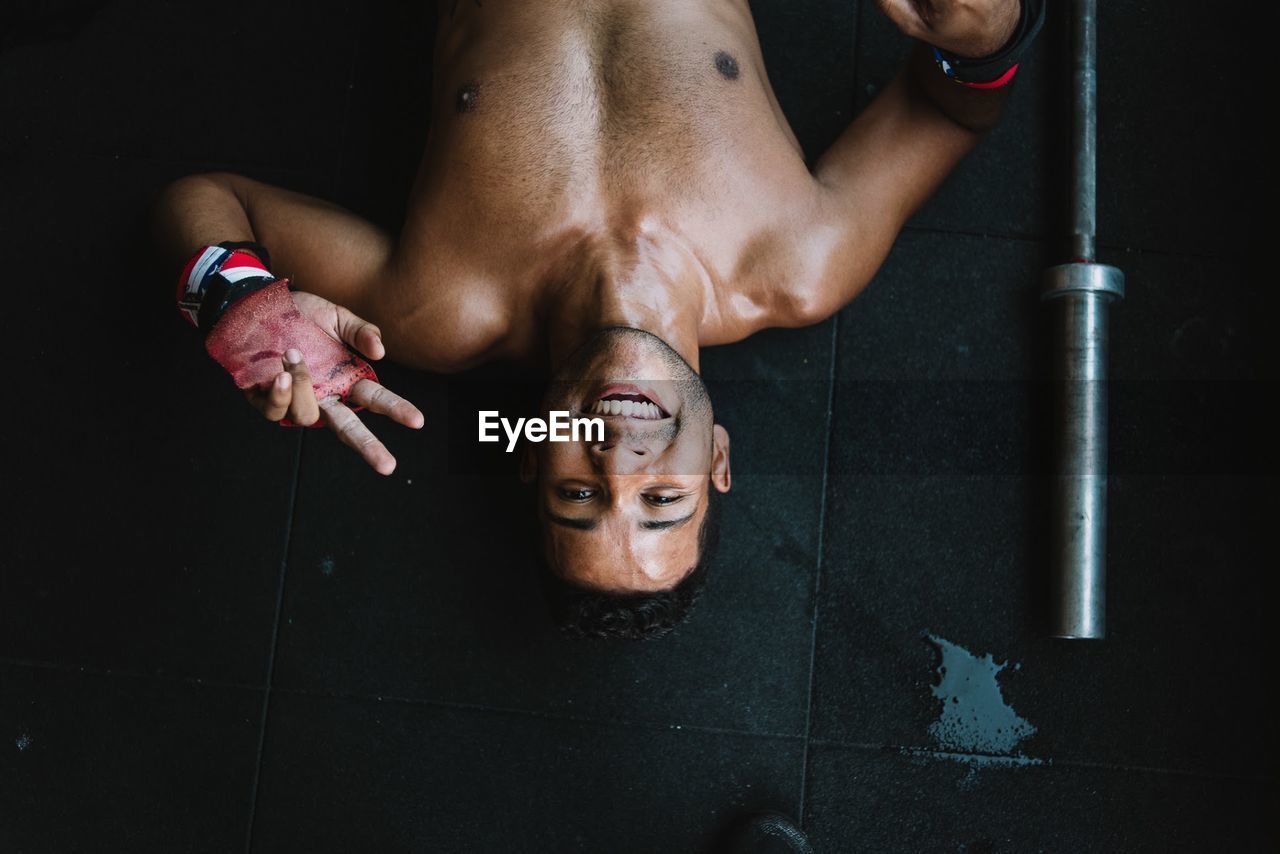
column 250, row 319
column 251, row 336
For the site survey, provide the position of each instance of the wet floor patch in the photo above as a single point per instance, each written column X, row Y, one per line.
column 975, row 725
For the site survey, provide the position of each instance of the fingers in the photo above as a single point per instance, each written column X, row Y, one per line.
column 360, row 335
column 303, row 409
column 353, row 433
column 290, row 393
column 273, row 401
column 376, row 398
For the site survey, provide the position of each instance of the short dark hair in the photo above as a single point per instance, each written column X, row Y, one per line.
column 584, row 612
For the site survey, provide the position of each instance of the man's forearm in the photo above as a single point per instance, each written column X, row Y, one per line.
column 976, row 110
column 196, row 211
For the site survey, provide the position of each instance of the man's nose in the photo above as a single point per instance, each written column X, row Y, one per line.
column 621, row 455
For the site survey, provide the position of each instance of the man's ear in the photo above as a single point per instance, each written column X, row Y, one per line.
column 528, row 464
column 721, row 477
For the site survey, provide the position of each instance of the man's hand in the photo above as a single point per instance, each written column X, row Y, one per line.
column 967, row 28
column 290, row 393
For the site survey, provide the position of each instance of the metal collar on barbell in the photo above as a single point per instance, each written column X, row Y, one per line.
column 1083, row 277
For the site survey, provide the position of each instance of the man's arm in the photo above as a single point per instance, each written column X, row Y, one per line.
column 325, row 249
column 905, row 143
column 333, row 255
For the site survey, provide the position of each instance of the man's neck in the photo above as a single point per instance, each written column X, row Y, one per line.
column 662, row 291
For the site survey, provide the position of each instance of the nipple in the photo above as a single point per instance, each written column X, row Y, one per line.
column 467, row 95
column 727, row 65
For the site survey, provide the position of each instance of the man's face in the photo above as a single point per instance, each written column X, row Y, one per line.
column 623, row 514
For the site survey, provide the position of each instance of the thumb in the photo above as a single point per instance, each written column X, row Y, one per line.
column 360, row 335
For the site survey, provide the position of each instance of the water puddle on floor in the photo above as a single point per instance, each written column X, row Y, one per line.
column 976, row 726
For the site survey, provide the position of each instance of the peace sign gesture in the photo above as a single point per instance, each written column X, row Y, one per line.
column 289, row 352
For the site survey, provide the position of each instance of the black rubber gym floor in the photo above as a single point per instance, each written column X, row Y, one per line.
column 220, row 636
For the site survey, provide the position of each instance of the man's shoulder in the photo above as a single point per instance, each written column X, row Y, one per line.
column 787, row 271
column 446, row 322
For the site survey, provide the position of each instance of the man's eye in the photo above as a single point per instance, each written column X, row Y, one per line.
column 576, row 494
column 662, row 500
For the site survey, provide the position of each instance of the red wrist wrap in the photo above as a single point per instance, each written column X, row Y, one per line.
column 215, row 277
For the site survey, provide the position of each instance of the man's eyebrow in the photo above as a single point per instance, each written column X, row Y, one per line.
column 576, row 524
column 665, row 526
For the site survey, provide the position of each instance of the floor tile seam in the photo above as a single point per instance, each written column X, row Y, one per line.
column 994, row 234
column 545, row 714
column 275, row 639
column 335, row 180
column 1048, row 762
column 1196, row 773
column 819, row 563
column 127, row 673
column 1048, row 240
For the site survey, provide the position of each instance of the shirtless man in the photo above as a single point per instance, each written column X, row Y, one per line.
column 608, row 186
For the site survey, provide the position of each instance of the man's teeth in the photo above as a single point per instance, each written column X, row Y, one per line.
column 630, row 408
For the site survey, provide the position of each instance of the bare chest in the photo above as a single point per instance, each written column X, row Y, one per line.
column 611, row 94
column 564, row 123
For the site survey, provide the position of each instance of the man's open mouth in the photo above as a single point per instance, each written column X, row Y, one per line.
column 627, row 401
